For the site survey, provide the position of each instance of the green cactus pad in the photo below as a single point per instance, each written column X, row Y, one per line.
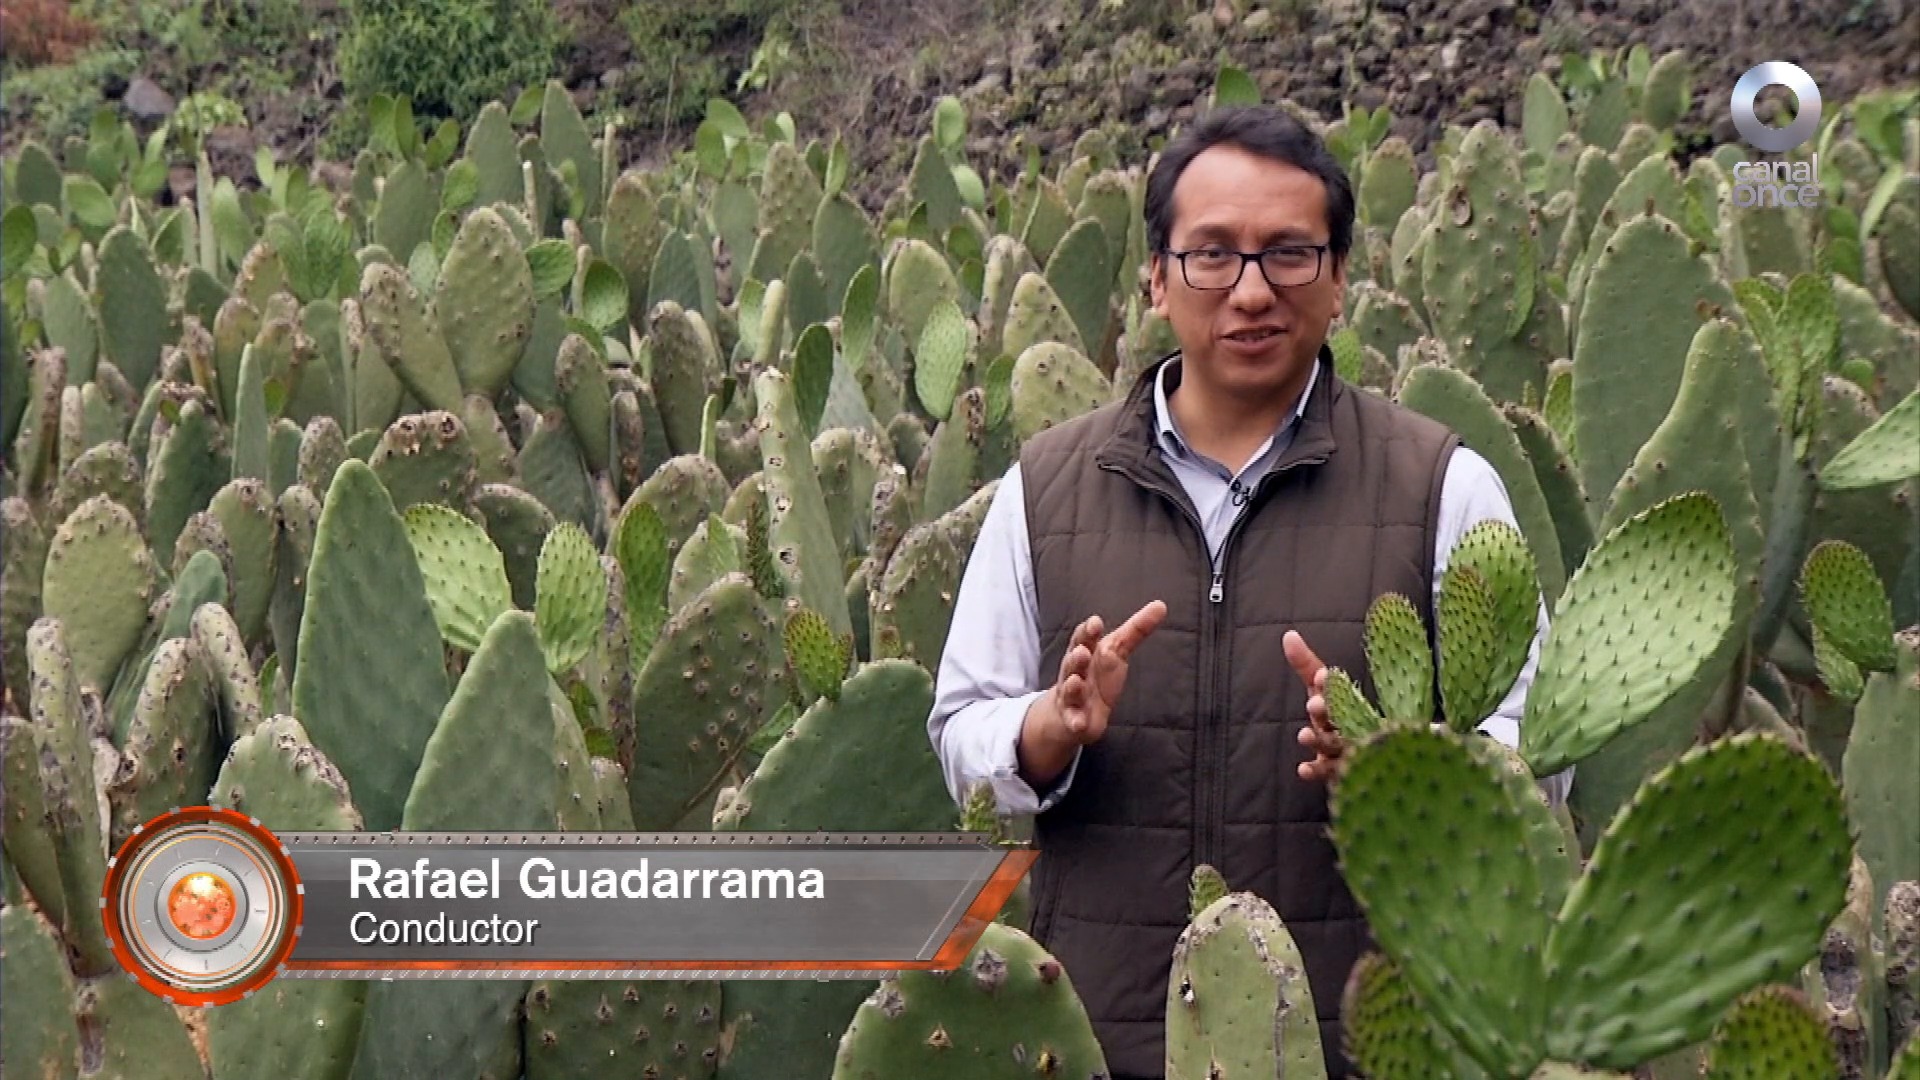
column 1352, row 714
column 1053, row 383
column 1670, row 569
column 23, row 558
column 37, row 431
column 276, row 774
column 488, row 764
column 798, row 529
column 642, row 549
column 1559, row 480
column 1883, row 454
column 169, row 756
column 685, row 373
column 106, row 469
column 483, row 302
column 98, row 581
column 1008, row 1012
column 466, row 579
column 135, row 326
column 234, row 681
column 1642, row 299
column 299, row 513
column 1501, row 606
column 845, row 765
column 843, row 244
column 711, row 553
column 40, row 1039
column 1848, row 605
column 1473, row 651
column 1035, row 316
column 1389, row 1035
column 1771, row 1033
column 1384, row 319
column 940, row 358
column 712, row 680
column 368, row 691
column 949, row 469
column 817, row 658
column 322, row 448
column 913, row 601
column 570, row 596
column 1204, row 886
column 518, row 526
column 1882, row 800
column 1467, row 925
column 1238, row 1003
column 405, row 336
column 1901, row 960
column 426, row 458
column 581, row 382
column 1479, row 266
column 452, row 1028
column 1080, row 271
column 1768, row 873
column 132, row 1034
column 30, row 848
column 659, row 1028
column 247, row 516
column 917, row 279
column 1400, row 661
column 183, row 473
column 67, row 780
column 292, row 1028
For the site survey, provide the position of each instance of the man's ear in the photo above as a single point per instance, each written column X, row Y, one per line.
column 1157, row 284
column 1339, row 278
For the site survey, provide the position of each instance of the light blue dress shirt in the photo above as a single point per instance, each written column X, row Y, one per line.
column 990, row 671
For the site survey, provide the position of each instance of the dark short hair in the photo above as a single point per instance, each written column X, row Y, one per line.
column 1265, row 130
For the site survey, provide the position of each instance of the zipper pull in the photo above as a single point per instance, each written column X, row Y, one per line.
column 1219, row 591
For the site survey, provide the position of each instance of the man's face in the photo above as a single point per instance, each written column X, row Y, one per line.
column 1255, row 338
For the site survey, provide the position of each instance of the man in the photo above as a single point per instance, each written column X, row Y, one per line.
column 1140, row 639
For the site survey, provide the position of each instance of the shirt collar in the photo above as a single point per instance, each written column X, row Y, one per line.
column 1172, row 442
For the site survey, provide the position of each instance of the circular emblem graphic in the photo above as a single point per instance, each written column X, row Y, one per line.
column 1746, row 92
column 202, row 906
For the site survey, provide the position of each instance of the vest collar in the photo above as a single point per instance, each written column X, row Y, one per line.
column 1131, row 447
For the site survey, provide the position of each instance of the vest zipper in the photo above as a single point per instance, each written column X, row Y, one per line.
column 1210, row 746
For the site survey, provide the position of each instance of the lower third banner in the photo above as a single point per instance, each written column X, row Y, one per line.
column 204, row 906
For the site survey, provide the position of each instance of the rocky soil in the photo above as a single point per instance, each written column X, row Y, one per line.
column 1047, row 70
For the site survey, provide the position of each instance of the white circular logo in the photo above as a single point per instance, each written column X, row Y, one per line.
column 1759, row 135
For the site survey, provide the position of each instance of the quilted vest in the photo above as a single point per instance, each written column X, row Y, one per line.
column 1198, row 762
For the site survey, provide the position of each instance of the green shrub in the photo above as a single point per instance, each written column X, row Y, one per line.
column 448, row 57
column 687, row 52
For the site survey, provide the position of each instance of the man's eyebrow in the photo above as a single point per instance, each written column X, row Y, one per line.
column 1290, row 234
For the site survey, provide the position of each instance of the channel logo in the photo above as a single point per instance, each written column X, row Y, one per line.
column 202, row 906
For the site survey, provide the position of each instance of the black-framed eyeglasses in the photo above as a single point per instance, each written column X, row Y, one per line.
column 1217, row 269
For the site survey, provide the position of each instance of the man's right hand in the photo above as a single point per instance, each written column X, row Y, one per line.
column 1075, row 712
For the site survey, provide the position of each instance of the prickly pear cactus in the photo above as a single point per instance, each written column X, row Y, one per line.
column 1768, row 1033
column 1238, row 1003
column 1008, row 1011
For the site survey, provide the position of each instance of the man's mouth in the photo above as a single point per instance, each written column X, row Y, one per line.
column 1254, row 335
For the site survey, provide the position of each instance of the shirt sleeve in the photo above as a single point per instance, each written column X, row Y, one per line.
column 1470, row 493
column 990, row 669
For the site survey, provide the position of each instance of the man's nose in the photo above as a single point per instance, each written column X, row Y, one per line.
column 1252, row 293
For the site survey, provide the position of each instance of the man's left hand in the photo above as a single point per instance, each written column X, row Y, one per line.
column 1330, row 750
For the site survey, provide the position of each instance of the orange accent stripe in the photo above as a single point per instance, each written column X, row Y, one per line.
column 966, row 933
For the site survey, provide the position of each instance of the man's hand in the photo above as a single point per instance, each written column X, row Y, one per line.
column 1092, row 674
column 1329, row 748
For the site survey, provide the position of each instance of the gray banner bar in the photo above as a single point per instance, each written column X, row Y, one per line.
column 639, row 899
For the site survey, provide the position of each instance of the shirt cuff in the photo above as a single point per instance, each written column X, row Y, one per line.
column 1014, row 794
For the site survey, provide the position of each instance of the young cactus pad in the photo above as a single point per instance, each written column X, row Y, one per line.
column 1238, row 1003
column 1008, row 1013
